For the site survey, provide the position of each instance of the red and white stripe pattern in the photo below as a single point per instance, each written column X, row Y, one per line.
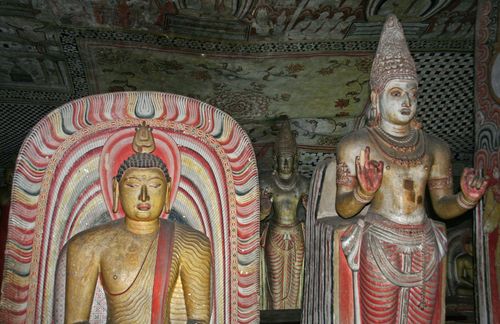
column 57, row 193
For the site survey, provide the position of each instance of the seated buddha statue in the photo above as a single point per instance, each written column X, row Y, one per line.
column 140, row 257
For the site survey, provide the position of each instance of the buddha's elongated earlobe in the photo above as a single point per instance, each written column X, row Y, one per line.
column 116, row 194
column 167, row 197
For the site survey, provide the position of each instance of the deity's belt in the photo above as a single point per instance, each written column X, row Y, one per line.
column 378, row 231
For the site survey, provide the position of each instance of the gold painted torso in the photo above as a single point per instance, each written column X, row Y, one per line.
column 126, row 263
column 128, row 280
column 285, row 199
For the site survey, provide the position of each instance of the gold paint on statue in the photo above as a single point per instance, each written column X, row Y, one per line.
column 123, row 253
column 143, row 140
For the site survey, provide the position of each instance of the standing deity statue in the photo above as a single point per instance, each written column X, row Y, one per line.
column 282, row 194
column 395, row 251
column 140, row 257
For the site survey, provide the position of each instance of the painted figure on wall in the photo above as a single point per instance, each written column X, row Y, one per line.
column 140, row 257
column 395, row 251
column 491, row 226
column 5, row 193
column 282, row 193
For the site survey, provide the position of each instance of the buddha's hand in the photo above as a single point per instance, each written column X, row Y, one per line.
column 473, row 186
column 369, row 174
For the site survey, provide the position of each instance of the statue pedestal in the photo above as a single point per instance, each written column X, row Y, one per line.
column 280, row 316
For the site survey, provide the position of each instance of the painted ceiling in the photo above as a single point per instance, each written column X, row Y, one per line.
column 255, row 59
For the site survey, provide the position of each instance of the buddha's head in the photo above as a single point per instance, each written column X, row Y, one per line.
column 393, row 78
column 285, row 152
column 142, row 184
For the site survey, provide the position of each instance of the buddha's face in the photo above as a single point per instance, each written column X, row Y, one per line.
column 285, row 165
column 142, row 193
column 398, row 101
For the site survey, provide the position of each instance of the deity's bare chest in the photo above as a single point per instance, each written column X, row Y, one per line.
column 286, row 199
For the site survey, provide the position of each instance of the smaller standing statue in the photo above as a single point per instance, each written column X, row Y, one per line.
column 395, row 251
column 282, row 194
column 139, row 258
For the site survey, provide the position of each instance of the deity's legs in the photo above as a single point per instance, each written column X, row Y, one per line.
column 398, row 283
column 284, row 253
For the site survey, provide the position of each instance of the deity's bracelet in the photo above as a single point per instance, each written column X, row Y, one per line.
column 361, row 197
column 464, row 202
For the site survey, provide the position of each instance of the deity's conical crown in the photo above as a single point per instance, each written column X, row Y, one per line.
column 393, row 59
column 285, row 142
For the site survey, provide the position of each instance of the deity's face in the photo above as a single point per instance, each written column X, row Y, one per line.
column 285, row 165
column 398, row 101
column 142, row 193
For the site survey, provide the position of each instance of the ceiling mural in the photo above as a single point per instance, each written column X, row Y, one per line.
column 249, row 88
column 269, row 19
column 258, row 60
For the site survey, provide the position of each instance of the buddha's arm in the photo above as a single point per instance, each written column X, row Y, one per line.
column 195, row 269
column 82, row 268
column 446, row 204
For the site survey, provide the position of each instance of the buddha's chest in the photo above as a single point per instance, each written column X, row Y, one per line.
column 128, row 263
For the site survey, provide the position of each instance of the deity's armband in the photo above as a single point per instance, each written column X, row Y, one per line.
column 344, row 176
column 441, row 183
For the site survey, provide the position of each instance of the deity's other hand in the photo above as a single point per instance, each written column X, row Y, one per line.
column 304, row 198
column 266, row 203
column 368, row 172
column 473, row 185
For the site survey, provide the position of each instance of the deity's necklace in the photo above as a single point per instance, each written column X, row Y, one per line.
column 285, row 185
column 405, row 151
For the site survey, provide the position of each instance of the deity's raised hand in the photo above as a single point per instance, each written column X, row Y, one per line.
column 369, row 173
column 473, row 186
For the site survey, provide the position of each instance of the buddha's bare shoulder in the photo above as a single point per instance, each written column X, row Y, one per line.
column 96, row 236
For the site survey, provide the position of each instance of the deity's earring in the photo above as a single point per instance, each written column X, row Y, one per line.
column 166, row 207
column 116, row 194
column 373, row 116
column 374, row 112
